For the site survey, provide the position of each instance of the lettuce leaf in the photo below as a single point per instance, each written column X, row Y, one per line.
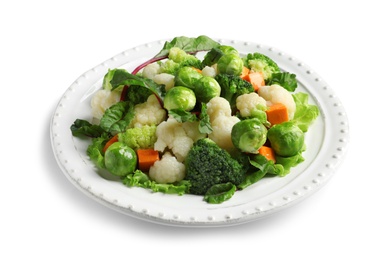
column 305, row 113
column 141, row 179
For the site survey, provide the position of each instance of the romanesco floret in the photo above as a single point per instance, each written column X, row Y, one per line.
column 139, row 137
column 207, row 164
column 148, row 113
column 167, row 170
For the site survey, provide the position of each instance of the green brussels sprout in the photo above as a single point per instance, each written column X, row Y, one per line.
column 286, row 139
column 187, row 76
column 226, row 49
column 230, row 64
column 180, row 97
column 249, row 135
column 120, row 159
column 206, row 88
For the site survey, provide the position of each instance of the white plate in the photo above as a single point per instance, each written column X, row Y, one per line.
column 326, row 142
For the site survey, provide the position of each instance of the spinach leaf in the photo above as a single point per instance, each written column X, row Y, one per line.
column 122, row 77
column 117, row 117
column 189, row 45
column 219, row 193
column 81, row 127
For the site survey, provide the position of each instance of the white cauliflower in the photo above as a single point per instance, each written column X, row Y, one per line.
column 222, row 122
column 102, row 100
column 192, row 130
column 222, row 131
column 179, row 137
column 148, row 113
column 165, row 79
column 167, row 170
column 218, row 106
column 276, row 94
column 151, row 70
column 209, row 71
column 247, row 103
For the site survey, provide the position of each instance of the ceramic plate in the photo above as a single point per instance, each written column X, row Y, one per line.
column 326, row 142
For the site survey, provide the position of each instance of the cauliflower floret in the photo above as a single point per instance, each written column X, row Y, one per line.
column 181, row 146
column 174, row 135
column 102, row 100
column 165, row 79
column 222, row 130
column 209, row 72
column 277, row 94
column 247, row 103
column 148, row 113
column 192, row 130
column 151, row 70
column 218, row 106
column 167, row 170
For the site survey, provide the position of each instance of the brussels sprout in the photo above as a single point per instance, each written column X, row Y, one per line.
column 120, row 159
column 206, row 88
column 230, row 64
column 286, row 139
column 186, row 77
column 226, row 49
column 249, row 135
column 180, row 97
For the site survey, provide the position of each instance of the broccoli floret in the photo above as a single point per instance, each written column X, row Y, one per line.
column 261, row 63
column 233, row 86
column 139, row 137
column 207, row 164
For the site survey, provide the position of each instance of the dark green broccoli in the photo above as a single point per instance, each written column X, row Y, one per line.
column 232, row 87
column 261, row 63
column 207, row 164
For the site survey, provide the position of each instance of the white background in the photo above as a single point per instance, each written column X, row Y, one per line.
column 46, row 45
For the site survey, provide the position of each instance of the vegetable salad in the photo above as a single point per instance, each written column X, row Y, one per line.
column 211, row 127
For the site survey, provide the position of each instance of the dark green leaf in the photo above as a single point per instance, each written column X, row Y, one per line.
column 219, row 193
column 204, row 123
column 117, row 117
column 284, row 79
column 182, row 116
column 82, row 127
column 189, row 45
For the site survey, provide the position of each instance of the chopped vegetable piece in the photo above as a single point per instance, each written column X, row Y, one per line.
column 245, row 72
column 277, row 113
column 114, row 139
column 146, row 158
column 256, row 79
column 268, row 153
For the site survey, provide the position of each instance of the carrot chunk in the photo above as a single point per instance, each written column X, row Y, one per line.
column 245, row 72
column 110, row 142
column 268, row 153
column 256, row 79
column 277, row 113
column 146, row 158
